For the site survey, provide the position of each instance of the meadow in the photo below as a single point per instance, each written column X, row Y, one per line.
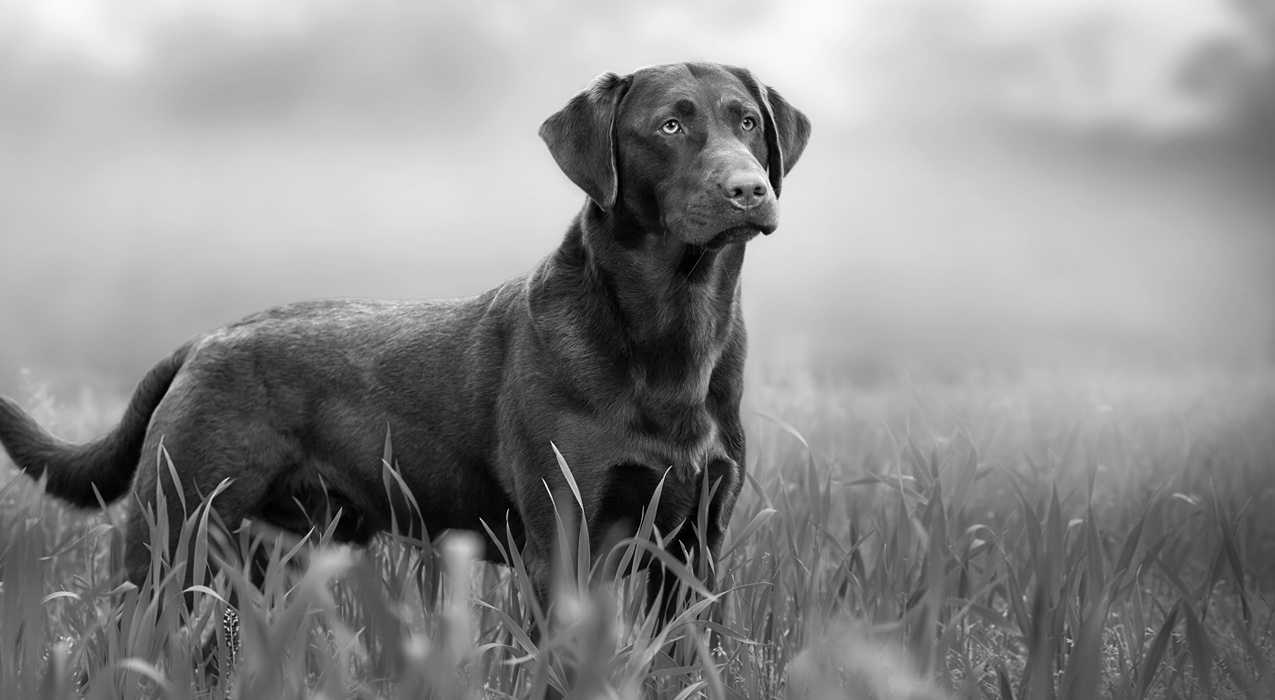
column 951, row 493
column 1067, row 532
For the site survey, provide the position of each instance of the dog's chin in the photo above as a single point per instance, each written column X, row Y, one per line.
column 736, row 235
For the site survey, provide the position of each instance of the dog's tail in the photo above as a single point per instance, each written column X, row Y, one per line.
column 108, row 462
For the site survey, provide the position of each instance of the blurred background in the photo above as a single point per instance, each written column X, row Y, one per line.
column 991, row 185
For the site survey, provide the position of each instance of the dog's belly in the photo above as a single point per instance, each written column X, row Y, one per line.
column 444, row 478
column 422, row 500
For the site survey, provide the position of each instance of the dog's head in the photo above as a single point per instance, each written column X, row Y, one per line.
column 695, row 150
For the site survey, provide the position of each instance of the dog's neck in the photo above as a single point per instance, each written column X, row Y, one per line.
column 663, row 286
column 673, row 308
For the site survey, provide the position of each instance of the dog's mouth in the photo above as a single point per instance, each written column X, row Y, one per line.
column 733, row 235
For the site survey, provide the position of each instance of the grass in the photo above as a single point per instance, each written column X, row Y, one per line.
column 1061, row 534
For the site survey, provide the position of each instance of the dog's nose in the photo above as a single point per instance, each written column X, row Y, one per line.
column 744, row 189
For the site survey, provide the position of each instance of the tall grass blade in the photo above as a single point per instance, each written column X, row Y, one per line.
column 1201, row 648
column 1237, row 568
column 1002, row 682
column 1083, row 674
column 1159, row 644
column 1038, row 677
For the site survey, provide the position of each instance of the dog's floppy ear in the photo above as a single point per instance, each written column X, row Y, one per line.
column 787, row 129
column 581, row 137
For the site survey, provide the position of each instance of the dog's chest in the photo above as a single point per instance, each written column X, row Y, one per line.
column 685, row 438
column 674, row 423
column 657, row 425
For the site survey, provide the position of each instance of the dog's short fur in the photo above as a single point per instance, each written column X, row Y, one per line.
column 624, row 348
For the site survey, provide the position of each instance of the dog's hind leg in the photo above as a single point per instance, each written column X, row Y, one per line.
column 186, row 487
column 194, row 458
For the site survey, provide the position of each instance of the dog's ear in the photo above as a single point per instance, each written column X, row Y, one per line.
column 581, row 137
column 787, row 129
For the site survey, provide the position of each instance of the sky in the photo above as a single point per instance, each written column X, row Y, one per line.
column 809, row 41
column 989, row 180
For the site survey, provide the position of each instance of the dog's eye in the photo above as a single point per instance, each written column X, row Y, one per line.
column 748, row 123
column 671, row 126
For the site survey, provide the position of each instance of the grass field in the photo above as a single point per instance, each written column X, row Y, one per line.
column 1061, row 533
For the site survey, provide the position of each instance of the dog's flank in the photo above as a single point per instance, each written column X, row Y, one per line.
column 624, row 348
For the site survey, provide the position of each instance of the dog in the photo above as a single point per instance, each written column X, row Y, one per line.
column 624, row 349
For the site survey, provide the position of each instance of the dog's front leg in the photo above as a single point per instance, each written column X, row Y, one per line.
column 698, row 542
column 539, row 518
